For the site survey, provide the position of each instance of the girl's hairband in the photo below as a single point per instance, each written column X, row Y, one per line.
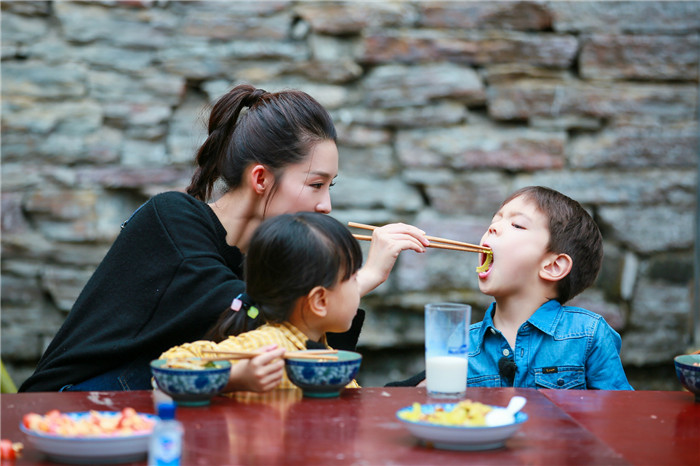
column 243, row 301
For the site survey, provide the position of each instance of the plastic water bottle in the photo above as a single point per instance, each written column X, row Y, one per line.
column 166, row 441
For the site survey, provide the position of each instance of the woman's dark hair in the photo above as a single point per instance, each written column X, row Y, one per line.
column 277, row 129
column 572, row 231
column 288, row 256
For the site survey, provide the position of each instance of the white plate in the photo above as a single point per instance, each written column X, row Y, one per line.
column 458, row 437
column 90, row 450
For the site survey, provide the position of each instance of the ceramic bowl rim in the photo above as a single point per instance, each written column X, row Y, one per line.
column 221, row 366
column 353, row 357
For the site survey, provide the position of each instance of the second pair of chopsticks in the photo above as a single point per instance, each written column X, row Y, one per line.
column 435, row 242
column 325, row 355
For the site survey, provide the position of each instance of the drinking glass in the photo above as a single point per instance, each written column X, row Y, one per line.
column 446, row 348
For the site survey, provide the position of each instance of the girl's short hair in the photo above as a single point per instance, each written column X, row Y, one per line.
column 249, row 125
column 572, row 231
column 288, row 256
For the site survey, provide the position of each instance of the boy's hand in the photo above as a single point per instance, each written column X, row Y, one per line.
column 259, row 374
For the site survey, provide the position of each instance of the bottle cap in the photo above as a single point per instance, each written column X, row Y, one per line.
column 166, row 411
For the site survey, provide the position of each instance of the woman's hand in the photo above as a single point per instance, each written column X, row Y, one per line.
column 259, row 374
column 387, row 243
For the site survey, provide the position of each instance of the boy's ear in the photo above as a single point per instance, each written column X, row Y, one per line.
column 318, row 301
column 556, row 267
column 260, row 178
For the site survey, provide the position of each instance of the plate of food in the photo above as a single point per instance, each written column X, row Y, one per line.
column 90, row 437
column 465, row 425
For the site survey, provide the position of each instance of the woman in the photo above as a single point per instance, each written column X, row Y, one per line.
column 176, row 265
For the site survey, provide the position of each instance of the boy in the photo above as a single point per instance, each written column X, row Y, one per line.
column 546, row 250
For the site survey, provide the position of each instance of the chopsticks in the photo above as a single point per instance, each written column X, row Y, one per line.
column 435, row 242
column 325, row 355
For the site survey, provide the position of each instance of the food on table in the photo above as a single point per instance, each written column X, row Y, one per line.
column 465, row 413
column 10, row 450
column 94, row 424
column 487, row 262
column 192, row 364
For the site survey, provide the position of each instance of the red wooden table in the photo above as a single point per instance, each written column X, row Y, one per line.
column 360, row 427
column 646, row 427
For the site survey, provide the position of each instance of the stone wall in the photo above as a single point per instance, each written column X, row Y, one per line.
column 442, row 110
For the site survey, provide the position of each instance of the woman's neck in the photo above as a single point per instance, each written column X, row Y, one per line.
column 237, row 211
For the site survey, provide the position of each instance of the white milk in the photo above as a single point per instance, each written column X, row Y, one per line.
column 446, row 374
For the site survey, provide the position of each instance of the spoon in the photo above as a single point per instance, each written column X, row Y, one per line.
column 505, row 416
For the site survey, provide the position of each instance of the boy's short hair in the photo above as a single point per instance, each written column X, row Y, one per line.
column 572, row 231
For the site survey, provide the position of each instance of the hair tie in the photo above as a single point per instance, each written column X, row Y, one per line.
column 243, row 301
column 255, row 97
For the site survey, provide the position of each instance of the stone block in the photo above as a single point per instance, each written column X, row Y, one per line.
column 392, row 86
column 127, row 27
column 358, row 136
column 482, row 146
column 342, row 71
column 637, row 146
column 135, row 177
column 672, row 187
column 438, row 114
column 593, row 300
column 659, row 58
column 468, row 193
column 658, row 325
column 348, row 18
column 20, row 28
column 523, row 16
column 525, row 99
column 377, row 161
column 223, row 21
column 64, row 285
column 650, row 229
column 361, row 192
column 470, row 48
column 35, row 79
column 676, row 17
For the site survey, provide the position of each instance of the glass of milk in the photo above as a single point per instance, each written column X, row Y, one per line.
column 446, row 349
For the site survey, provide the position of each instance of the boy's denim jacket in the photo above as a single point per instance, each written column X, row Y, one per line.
column 557, row 347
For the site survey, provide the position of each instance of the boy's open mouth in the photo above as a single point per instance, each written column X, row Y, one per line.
column 485, row 261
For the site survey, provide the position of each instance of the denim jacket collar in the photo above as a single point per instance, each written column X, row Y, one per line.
column 541, row 319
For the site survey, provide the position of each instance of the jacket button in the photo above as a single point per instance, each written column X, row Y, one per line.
column 560, row 382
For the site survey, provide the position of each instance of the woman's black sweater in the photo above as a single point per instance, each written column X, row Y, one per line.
column 165, row 281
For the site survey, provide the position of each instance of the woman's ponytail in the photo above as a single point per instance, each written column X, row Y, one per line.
column 222, row 123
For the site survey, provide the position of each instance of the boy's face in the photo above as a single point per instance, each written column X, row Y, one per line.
column 518, row 236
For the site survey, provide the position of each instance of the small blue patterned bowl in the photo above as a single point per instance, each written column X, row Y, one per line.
column 689, row 374
column 323, row 379
column 191, row 387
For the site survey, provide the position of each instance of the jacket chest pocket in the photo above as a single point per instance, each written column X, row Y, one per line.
column 566, row 377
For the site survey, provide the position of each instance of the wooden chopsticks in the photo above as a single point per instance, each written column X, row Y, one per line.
column 435, row 242
column 325, row 355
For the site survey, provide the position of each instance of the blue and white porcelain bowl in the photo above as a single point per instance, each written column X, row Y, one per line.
column 688, row 373
column 323, row 379
column 191, row 387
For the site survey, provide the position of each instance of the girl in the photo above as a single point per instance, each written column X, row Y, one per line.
column 177, row 261
column 302, row 282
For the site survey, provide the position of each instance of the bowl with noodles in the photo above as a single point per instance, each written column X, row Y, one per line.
column 457, row 426
column 191, row 382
